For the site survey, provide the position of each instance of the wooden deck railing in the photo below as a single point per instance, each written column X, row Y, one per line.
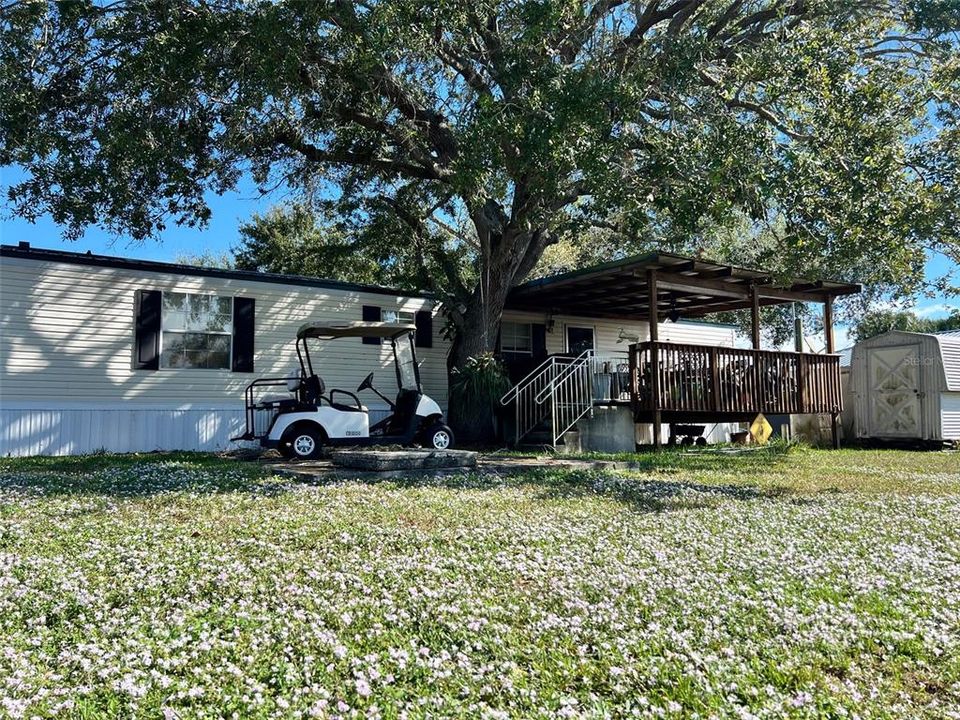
column 724, row 380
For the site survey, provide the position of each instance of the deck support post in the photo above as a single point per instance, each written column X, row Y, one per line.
column 652, row 302
column 755, row 317
column 828, row 324
column 831, row 348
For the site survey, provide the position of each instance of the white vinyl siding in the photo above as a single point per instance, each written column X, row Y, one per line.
column 950, row 415
column 950, row 358
column 607, row 332
column 68, row 333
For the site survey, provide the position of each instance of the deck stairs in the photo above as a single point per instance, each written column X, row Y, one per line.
column 550, row 401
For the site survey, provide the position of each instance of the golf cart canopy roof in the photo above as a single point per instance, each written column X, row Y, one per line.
column 332, row 331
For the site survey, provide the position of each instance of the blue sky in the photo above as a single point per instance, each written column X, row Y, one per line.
column 235, row 207
column 229, row 211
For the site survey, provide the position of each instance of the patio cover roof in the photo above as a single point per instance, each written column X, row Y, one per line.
column 691, row 286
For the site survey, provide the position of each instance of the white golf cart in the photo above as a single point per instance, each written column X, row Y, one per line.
column 301, row 423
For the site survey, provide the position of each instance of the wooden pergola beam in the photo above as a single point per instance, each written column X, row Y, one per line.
column 719, row 288
column 626, row 295
column 654, row 321
column 831, row 349
column 755, row 317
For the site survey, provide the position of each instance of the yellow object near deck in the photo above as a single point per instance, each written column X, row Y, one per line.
column 760, row 429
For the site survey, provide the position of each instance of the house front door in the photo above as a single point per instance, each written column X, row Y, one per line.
column 895, row 391
column 579, row 339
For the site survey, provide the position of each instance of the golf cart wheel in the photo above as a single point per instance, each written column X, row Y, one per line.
column 304, row 443
column 439, row 437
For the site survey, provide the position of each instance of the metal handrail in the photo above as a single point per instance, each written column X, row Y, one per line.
column 570, row 366
column 571, row 396
column 528, row 414
column 531, row 377
column 560, row 389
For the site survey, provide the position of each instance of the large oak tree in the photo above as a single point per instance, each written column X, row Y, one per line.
column 467, row 136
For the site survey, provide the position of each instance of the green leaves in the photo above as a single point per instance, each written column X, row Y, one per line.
column 292, row 239
column 881, row 321
column 836, row 120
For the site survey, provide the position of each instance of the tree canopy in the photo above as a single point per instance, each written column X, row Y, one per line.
column 881, row 321
column 461, row 139
column 292, row 239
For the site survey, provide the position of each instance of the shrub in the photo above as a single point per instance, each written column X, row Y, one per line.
column 476, row 389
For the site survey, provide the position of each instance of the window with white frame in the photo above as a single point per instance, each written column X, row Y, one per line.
column 516, row 337
column 196, row 331
column 398, row 317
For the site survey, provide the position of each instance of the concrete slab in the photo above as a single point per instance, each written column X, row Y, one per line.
column 386, row 460
column 325, row 470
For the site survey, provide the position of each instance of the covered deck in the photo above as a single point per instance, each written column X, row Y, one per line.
column 668, row 382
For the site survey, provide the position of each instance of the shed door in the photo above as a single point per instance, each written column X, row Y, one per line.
column 895, row 391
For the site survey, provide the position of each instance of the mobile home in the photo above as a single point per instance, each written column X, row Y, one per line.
column 101, row 352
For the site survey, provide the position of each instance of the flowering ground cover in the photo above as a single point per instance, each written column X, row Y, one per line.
column 774, row 584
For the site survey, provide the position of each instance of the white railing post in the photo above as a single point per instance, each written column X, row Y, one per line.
column 566, row 386
column 516, row 424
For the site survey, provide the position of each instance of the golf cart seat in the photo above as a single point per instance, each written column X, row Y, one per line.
column 311, row 389
column 405, row 410
column 276, row 402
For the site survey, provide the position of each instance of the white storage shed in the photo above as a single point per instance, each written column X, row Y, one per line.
column 906, row 386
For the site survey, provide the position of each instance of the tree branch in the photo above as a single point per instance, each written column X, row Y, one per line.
column 540, row 240
column 725, row 18
column 756, row 108
column 449, row 55
column 432, row 122
column 645, row 22
column 443, row 259
column 684, row 14
column 401, row 139
column 351, row 158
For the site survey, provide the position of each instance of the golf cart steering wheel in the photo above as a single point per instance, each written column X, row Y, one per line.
column 367, row 383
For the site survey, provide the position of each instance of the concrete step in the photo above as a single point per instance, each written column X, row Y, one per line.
column 387, row 460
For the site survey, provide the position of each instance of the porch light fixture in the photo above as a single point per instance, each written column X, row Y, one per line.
column 674, row 314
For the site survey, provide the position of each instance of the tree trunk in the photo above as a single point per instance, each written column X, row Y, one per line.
column 508, row 255
column 476, row 334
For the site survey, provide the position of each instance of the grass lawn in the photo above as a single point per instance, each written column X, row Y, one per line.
column 784, row 583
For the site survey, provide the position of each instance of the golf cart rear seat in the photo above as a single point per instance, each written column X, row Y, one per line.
column 312, row 389
column 309, row 393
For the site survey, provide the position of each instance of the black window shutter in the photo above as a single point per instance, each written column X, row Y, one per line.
column 371, row 313
column 424, row 335
column 243, row 332
column 147, row 305
column 538, row 337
